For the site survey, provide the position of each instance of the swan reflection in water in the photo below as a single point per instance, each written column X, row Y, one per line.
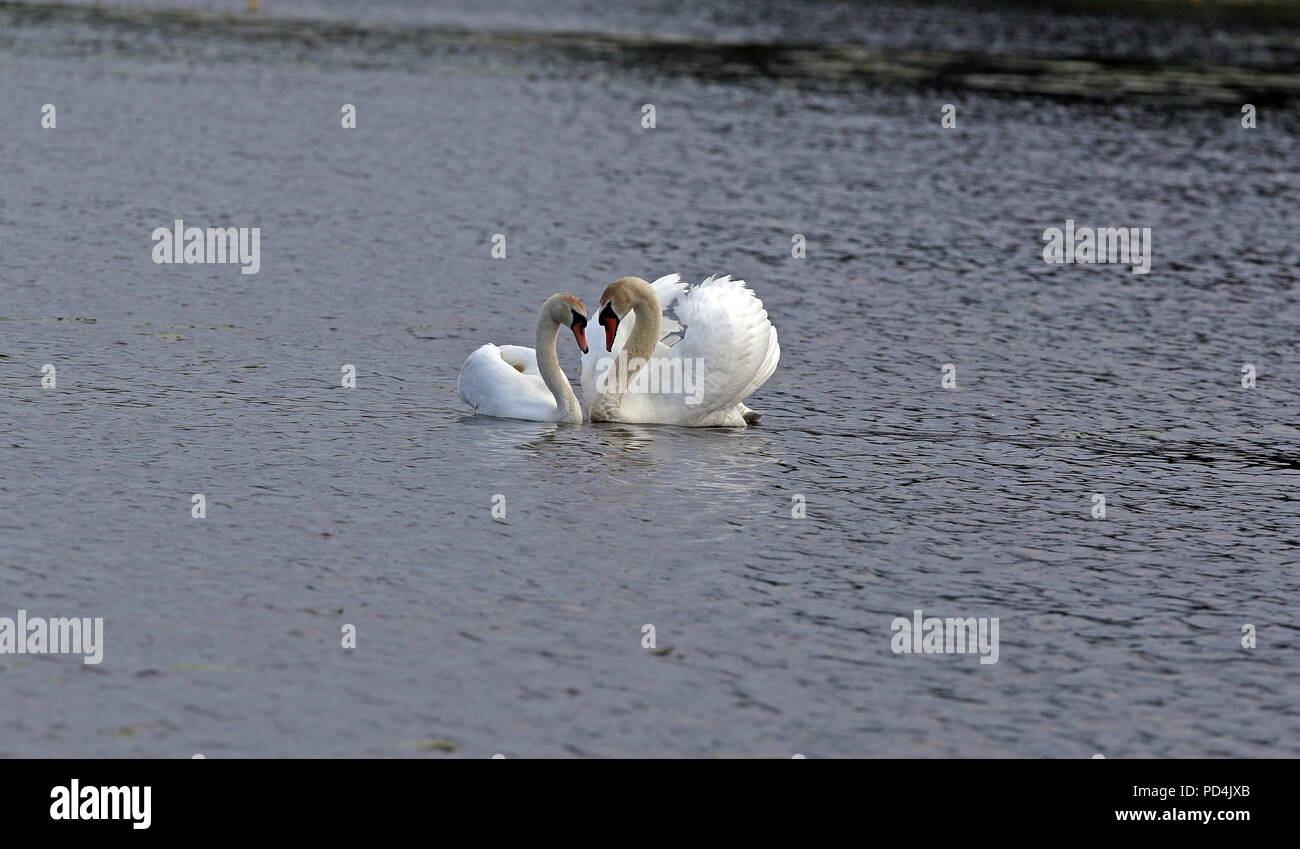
column 733, row 459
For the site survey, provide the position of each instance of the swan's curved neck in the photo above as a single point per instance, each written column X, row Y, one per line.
column 548, row 363
column 636, row 352
column 649, row 318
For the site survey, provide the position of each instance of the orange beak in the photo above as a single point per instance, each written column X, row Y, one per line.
column 611, row 330
column 580, row 333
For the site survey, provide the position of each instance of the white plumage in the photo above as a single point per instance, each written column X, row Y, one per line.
column 504, row 382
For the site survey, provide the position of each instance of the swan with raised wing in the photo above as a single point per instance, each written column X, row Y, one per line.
column 515, row 382
column 695, row 369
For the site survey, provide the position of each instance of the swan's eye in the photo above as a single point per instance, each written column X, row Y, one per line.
column 579, row 321
column 607, row 314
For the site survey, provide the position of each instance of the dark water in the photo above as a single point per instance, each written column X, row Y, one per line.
column 372, row 506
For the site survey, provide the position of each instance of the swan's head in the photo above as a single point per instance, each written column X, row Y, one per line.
column 564, row 309
column 616, row 302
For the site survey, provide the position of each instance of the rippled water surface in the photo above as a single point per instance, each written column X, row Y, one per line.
column 371, row 506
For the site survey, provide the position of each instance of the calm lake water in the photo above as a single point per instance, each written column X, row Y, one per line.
column 372, row 507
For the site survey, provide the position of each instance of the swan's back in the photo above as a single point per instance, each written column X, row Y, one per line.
column 496, row 382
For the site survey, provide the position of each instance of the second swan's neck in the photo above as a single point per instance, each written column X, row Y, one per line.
column 645, row 334
column 548, row 363
column 636, row 352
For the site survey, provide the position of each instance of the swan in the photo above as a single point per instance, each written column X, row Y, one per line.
column 514, row 382
column 720, row 348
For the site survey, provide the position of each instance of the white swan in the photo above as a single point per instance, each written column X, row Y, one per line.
column 513, row 382
column 720, row 348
